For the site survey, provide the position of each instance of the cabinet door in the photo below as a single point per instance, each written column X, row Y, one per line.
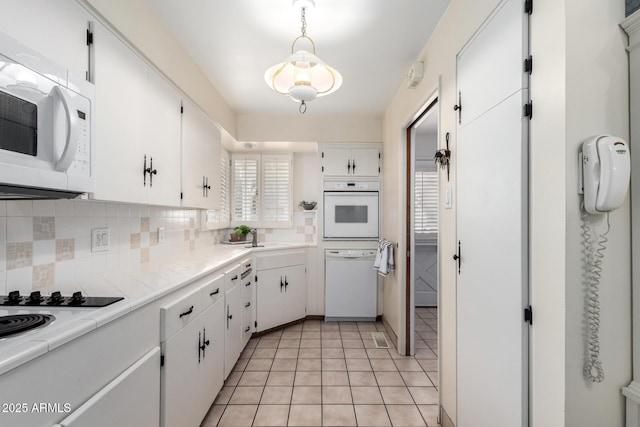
column 295, row 294
column 162, row 139
column 56, row 29
column 121, row 90
column 129, row 400
column 270, row 290
column 365, row 161
column 180, row 375
column 233, row 325
column 336, row 161
column 212, row 362
column 200, row 164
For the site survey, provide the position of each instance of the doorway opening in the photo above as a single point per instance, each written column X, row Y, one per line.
column 422, row 237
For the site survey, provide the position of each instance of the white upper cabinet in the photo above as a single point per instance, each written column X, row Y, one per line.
column 356, row 160
column 56, row 29
column 201, row 150
column 137, row 127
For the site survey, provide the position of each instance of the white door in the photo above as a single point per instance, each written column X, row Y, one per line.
column 365, row 161
column 270, row 291
column 233, row 336
column 295, row 293
column 492, row 224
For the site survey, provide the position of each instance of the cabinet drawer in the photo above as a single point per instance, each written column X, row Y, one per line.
column 278, row 259
column 212, row 291
column 232, row 277
column 178, row 314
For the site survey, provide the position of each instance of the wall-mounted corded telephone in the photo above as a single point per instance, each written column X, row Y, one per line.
column 605, row 173
column 605, row 167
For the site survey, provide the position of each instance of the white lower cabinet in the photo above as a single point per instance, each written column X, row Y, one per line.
column 280, row 288
column 193, row 367
column 233, row 322
column 129, row 400
column 248, row 303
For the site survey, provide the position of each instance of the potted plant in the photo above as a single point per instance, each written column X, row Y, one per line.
column 307, row 206
column 240, row 233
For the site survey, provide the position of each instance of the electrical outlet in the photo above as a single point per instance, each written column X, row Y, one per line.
column 100, row 239
column 160, row 234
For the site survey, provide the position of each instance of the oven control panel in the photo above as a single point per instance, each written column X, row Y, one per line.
column 351, row 185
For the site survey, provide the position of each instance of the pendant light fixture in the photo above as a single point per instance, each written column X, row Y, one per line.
column 303, row 76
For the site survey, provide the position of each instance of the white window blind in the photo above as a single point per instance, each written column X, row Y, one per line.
column 224, row 188
column 276, row 184
column 426, row 201
column 245, row 188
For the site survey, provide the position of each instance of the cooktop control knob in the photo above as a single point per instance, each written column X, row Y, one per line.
column 14, row 297
column 56, row 298
column 35, row 297
column 77, row 298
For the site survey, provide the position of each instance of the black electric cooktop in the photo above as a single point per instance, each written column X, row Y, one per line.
column 56, row 299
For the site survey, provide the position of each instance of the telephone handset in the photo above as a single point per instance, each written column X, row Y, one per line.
column 605, row 168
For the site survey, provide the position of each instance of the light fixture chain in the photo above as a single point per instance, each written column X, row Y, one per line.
column 303, row 18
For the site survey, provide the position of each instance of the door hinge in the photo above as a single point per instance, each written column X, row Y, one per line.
column 181, row 195
column 89, row 38
column 256, row 278
column 528, row 7
column 181, row 109
column 323, row 154
column 162, row 360
column 322, row 168
column 378, row 169
column 528, row 65
column 255, row 324
column 528, row 315
column 528, row 110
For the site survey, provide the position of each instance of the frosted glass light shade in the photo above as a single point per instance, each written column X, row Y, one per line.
column 303, row 76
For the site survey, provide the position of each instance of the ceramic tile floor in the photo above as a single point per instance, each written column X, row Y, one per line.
column 331, row 374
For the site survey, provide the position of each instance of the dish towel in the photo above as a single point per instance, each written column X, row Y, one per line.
column 384, row 258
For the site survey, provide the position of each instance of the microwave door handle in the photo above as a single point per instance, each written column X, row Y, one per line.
column 71, row 143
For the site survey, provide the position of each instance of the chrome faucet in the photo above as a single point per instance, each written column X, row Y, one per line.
column 254, row 241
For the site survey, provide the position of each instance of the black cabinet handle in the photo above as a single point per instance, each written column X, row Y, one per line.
column 247, row 305
column 353, row 166
column 286, row 283
column 188, row 312
column 148, row 170
column 235, row 277
column 281, row 284
column 349, row 166
column 248, row 284
column 245, row 273
column 248, row 329
column 248, row 265
column 217, row 291
column 229, row 316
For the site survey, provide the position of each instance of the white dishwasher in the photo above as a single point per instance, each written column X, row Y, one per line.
column 351, row 285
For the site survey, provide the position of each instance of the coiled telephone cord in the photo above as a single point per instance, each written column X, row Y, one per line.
column 594, row 247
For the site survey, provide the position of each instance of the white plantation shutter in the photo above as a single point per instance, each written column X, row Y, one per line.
column 276, row 189
column 245, row 188
column 426, row 201
column 224, row 188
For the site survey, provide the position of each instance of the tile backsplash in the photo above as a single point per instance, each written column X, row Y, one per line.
column 46, row 244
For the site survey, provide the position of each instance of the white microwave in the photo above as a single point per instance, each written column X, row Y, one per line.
column 351, row 210
column 45, row 127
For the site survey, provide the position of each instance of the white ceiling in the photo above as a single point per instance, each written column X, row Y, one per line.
column 372, row 43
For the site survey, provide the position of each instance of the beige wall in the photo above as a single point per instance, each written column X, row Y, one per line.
column 459, row 22
column 597, row 103
column 579, row 87
column 309, row 127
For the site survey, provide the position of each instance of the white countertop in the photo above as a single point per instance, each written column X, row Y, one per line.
column 139, row 287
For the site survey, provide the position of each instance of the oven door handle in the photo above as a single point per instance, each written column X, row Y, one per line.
column 71, row 142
